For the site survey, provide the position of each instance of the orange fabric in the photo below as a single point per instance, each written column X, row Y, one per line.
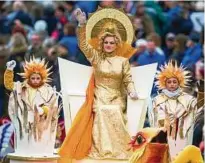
column 79, row 138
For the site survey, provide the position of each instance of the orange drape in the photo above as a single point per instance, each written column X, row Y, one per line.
column 79, row 138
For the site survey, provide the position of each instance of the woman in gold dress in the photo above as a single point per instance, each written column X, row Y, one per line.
column 107, row 136
column 174, row 109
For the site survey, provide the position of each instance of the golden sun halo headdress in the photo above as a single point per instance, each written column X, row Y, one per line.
column 113, row 21
column 106, row 19
column 37, row 67
column 171, row 70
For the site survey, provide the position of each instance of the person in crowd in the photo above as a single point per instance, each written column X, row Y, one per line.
column 178, row 16
column 69, row 40
column 50, row 19
column 40, row 27
column 146, row 21
column 70, row 8
column 36, row 48
column 19, row 13
column 157, row 40
column 36, row 12
column 169, row 45
column 179, row 48
column 60, row 14
column 141, row 46
column 150, row 55
column 154, row 10
column 193, row 52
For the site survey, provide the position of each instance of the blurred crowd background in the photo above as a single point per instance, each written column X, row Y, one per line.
column 164, row 30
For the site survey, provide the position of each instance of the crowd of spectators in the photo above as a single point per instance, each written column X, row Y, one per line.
column 164, row 30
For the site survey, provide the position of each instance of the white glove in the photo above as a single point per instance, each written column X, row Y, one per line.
column 133, row 95
column 10, row 65
column 80, row 16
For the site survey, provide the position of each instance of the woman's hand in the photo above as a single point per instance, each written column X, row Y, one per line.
column 133, row 95
column 80, row 16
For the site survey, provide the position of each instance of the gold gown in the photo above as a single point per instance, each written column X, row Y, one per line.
column 112, row 73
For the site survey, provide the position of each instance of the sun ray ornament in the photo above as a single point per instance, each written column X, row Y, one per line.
column 35, row 66
column 171, row 70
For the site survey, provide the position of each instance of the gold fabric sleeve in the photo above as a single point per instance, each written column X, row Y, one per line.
column 90, row 53
column 8, row 79
column 127, row 77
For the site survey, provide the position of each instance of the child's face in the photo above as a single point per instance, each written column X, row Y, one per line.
column 172, row 84
column 35, row 80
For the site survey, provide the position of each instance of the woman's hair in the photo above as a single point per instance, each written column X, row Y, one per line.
column 18, row 42
column 181, row 40
column 116, row 36
column 155, row 38
column 69, row 29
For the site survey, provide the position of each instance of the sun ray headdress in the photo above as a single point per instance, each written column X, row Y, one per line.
column 171, row 70
column 35, row 66
column 114, row 22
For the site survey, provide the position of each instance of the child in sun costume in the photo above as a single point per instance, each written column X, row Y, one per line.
column 99, row 128
column 33, row 108
column 174, row 109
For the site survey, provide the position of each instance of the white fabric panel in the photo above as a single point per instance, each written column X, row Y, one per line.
column 143, row 77
column 74, row 79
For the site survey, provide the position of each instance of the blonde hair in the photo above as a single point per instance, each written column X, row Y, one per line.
column 109, row 30
column 103, row 36
column 18, row 43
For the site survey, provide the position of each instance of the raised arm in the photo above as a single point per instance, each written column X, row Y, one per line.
column 90, row 53
column 9, row 75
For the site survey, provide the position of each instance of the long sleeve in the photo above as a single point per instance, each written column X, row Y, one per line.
column 8, row 79
column 91, row 54
column 127, row 77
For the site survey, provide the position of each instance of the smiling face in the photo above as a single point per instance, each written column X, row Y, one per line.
column 172, row 84
column 109, row 44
